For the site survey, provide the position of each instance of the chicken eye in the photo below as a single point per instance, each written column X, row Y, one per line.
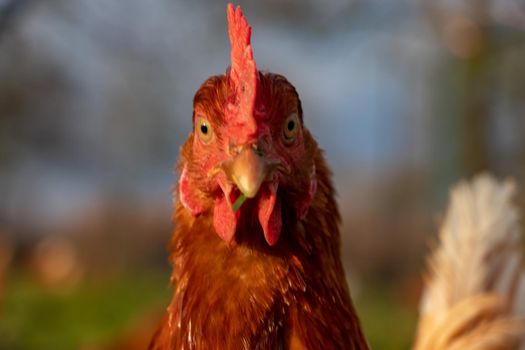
column 290, row 127
column 204, row 130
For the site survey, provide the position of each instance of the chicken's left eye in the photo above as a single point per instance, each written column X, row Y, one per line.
column 290, row 127
column 204, row 130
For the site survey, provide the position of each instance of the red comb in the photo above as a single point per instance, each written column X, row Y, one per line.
column 243, row 72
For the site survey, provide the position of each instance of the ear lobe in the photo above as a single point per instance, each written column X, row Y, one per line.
column 187, row 197
column 306, row 201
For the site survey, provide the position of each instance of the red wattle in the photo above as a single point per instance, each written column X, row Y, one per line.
column 187, row 197
column 269, row 212
column 224, row 219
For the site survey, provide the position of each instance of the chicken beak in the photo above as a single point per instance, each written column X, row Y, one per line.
column 249, row 170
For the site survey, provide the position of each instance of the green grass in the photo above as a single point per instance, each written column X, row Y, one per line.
column 36, row 318
column 388, row 325
column 95, row 313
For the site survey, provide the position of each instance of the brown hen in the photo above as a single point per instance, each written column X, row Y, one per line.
column 256, row 248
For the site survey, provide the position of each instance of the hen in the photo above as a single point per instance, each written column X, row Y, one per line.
column 256, row 249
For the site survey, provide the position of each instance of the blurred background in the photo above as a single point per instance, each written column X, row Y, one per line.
column 407, row 97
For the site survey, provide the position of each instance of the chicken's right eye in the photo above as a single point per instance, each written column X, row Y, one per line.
column 204, row 130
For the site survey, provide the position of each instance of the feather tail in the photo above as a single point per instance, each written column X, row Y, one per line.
column 472, row 294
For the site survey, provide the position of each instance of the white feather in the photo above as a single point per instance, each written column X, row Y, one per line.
column 471, row 299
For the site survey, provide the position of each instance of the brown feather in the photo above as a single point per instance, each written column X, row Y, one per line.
column 248, row 295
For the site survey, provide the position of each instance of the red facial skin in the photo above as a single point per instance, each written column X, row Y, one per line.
column 205, row 184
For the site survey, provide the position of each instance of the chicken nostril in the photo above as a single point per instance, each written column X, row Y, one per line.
column 257, row 150
column 233, row 149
